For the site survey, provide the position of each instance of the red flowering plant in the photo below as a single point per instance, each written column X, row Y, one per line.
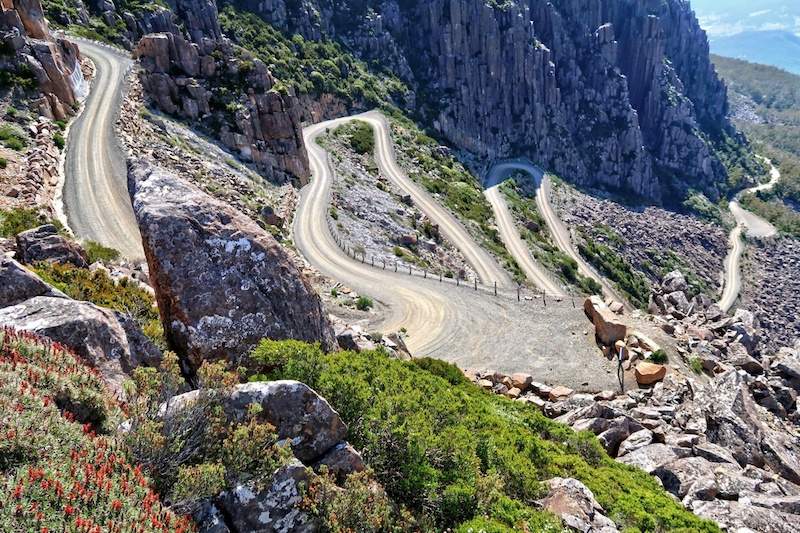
column 61, row 467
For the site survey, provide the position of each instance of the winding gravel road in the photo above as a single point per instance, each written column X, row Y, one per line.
column 95, row 192
column 510, row 235
column 486, row 268
column 756, row 227
column 470, row 328
column 458, row 324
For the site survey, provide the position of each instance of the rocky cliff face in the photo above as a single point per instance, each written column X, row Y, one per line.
column 53, row 62
column 618, row 93
column 195, row 73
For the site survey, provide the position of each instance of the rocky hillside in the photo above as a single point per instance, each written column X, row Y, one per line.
column 578, row 87
column 29, row 50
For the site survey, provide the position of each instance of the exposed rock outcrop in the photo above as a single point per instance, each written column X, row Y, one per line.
column 184, row 73
column 45, row 244
column 575, row 504
column 53, row 62
column 221, row 282
column 584, row 85
column 297, row 412
column 105, row 339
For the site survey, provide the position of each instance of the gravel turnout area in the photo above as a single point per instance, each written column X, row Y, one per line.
column 654, row 240
column 771, row 288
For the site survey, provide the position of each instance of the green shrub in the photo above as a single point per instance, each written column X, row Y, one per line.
column 12, row 111
column 334, row 213
column 18, row 220
column 193, row 451
column 13, row 136
column 659, row 356
column 3, row 162
column 97, row 287
column 455, row 456
column 363, row 303
column 362, row 137
column 61, row 125
column 21, row 77
column 695, row 365
column 59, row 141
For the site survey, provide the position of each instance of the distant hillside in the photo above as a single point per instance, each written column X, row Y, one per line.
column 765, row 105
column 778, row 48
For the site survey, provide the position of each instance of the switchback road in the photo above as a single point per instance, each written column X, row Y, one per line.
column 95, row 193
column 755, row 226
column 496, row 175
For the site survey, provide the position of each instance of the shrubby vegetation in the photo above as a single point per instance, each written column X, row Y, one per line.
column 13, row 136
column 631, row 283
column 18, row 220
column 359, row 135
column 312, row 67
column 97, row 287
column 453, row 455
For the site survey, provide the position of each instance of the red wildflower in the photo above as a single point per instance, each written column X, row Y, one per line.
column 116, row 505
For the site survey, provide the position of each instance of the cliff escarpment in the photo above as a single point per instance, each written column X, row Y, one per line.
column 192, row 70
column 28, row 49
column 614, row 93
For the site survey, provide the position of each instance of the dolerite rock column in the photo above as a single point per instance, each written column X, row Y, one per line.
column 221, row 282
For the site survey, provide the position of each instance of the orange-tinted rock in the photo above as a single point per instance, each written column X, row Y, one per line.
column 649, row 373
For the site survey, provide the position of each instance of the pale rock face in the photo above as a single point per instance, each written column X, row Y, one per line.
column 181, row 71
column 221, row 282
column 53, row 62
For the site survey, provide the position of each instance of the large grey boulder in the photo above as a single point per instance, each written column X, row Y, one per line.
column 105, row 339
column 221, row 282
column 674, row 282
column 45, row 244
column 297, row 412
column 575, row 504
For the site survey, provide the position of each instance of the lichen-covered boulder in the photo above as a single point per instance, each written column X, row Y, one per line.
column 105, row 339
column 222, row 283
column 17, row 283
column 298, row 413
column 272, row 510
column 45, row 244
